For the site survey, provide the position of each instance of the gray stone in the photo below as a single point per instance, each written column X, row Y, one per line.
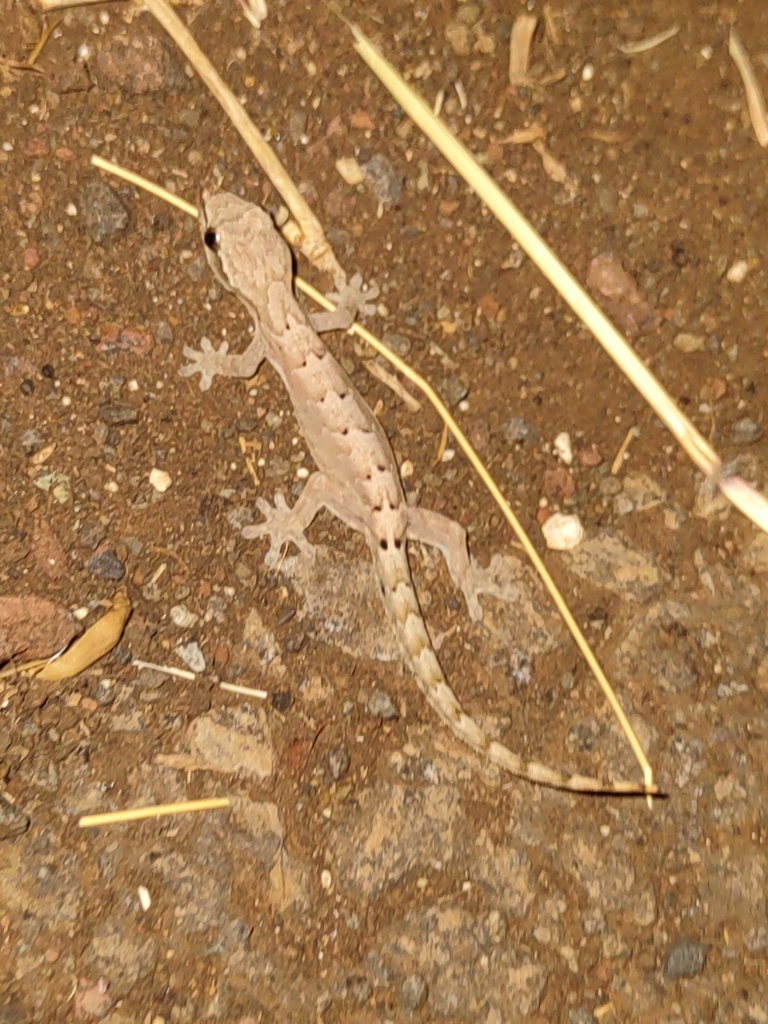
column 746, row 431
column 105, row 215
column 685, row 958
column 338, row 762
column 414, row 992
column 380, row 704
column 519, row 430
column 13, row 821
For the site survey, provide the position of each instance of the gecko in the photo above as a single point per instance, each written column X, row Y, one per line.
column 357, row 477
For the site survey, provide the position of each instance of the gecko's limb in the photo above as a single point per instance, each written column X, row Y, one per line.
column 285, row 525
column 352, row 300
column 208, row 361
column 450, row 538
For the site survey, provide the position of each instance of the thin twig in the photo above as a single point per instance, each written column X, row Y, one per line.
column 643, row 45
column 755, row 101
column 314, row 244
column 155, row 811
column 392, row 383
column 246, row 691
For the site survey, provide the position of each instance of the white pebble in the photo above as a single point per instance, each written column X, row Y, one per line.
column 563, row 449
column 464, row 405
column 66, row 401
column 588, row 72
column 104, row 18
column 182, row 617
column 737, row 271
column 448, row 455
column 192, row 656
column 144, row 898
column 406, row 469
column 707, row 52
column 350, row 170
column 84, row 52
column 160, row 480
column 133, row 385
column 302, row 472
column 562, row 532
column 326, row 880
column 71, row 210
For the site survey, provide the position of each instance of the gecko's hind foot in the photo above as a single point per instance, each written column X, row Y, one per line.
column 207, row 361
column 282, row 528
column 496, row 581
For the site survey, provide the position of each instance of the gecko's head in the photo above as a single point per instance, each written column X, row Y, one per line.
column 241, row 243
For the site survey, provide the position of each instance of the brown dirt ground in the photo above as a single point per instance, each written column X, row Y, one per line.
column 669, row 178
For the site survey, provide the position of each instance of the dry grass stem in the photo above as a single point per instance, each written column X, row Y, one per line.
column 443, row 444
column 428, row 391
column 145, row 184
column 156, row 811
column 392, row 383
column 314, row 244
column 755, row 101
column 168, row 670
column 45, row 35
column 685, row 433
column 246, row 691
column 57, row 5
column 520, row 49
column 618, row 462
column 643, row 45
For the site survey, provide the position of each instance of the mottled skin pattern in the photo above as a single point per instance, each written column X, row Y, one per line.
column 357, row 478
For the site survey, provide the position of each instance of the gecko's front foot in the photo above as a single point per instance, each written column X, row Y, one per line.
column 354, row 296
column 281, row 526
column 207, row 361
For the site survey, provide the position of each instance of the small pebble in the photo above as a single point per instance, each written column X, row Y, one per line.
column 452, row 390
column 380, row 705
column 413, row 992
column 163, row 332
column 399, row 344
column 738, row 271
column 106, row 566
column 160, row 480
column 32, row 441
column 519, row 430
column 338, row 762
column 105, row 215
column 562, row 532
column 281, row 700
column 688, row 343
column 118, row 414
column 182, row 617
column 384, row 178
column 13, row 821
column 350, row 170
column 105, row 692
column 746, row 431
column 144, row 898
column 563, row 449
column 685, row 958
column 192, row 656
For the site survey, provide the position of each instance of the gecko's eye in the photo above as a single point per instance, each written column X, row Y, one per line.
column 211, row 239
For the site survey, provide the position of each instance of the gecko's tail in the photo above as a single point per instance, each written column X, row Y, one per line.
column 404, row 612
